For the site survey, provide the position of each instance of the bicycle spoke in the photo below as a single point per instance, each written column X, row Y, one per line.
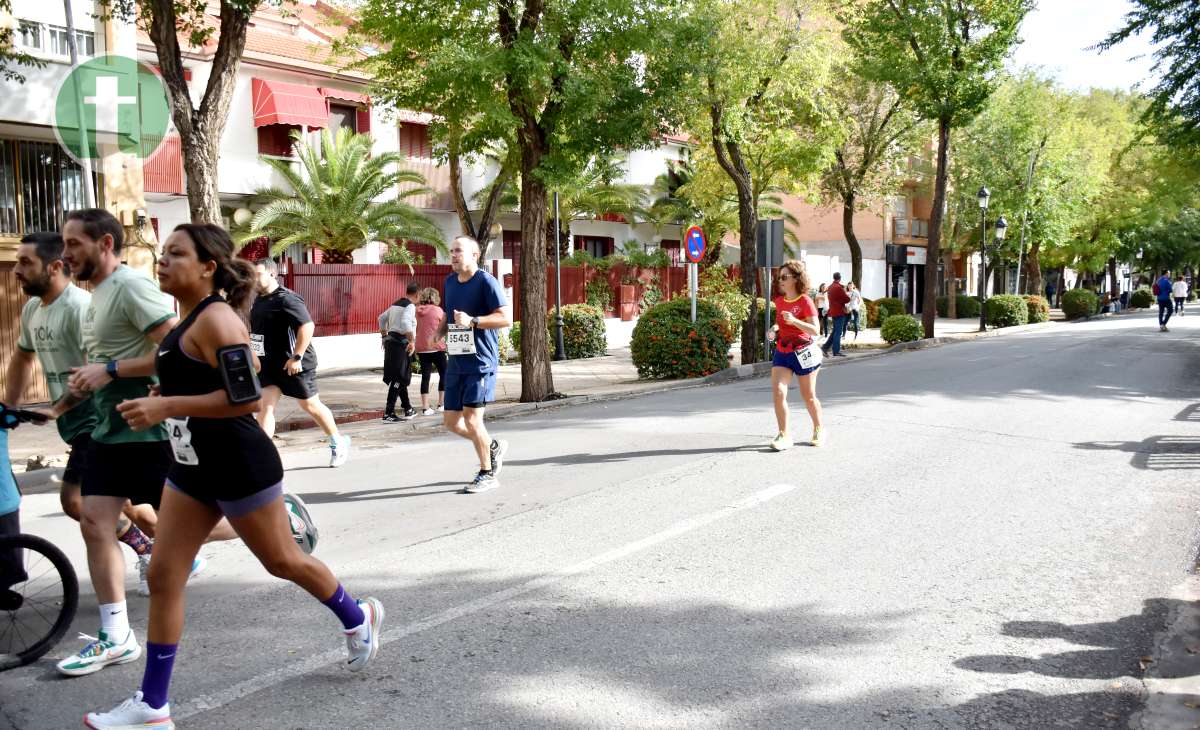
column 39, row 613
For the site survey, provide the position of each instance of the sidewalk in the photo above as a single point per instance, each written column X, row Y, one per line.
column 356, row 395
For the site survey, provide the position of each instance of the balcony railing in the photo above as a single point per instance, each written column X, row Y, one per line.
column 910, row 228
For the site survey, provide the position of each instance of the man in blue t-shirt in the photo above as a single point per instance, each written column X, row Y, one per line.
column 476, row 310
column 1165, row 307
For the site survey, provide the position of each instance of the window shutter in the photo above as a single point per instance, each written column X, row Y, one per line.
column 363, row 122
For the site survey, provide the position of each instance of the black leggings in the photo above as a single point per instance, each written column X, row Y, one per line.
column 430, row 361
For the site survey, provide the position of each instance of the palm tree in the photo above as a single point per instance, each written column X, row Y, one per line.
column 333, row 203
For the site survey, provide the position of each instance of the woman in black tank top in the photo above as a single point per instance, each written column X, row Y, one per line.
column 225, row 465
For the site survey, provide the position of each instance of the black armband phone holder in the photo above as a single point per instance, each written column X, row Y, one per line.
column 236, row 365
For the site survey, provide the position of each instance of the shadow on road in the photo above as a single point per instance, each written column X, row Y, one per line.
column 1157, row 453
column 1191, row 414
column 588, row 458
column 367, row 495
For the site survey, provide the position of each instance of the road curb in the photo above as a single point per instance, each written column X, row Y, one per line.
column 1172, row 679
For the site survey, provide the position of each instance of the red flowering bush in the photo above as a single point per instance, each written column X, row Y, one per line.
column 667, row 344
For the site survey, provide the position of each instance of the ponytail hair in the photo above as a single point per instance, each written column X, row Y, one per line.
column 234, row 277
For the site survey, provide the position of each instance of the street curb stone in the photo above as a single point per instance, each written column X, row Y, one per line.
column 1173, row 677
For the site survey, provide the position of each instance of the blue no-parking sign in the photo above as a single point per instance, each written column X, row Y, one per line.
column 695, row 243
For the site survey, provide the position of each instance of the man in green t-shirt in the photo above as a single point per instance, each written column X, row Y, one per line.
column 127, row 316
column 51, row 332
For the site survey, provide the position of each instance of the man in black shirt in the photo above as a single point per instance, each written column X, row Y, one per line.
column 281, row 332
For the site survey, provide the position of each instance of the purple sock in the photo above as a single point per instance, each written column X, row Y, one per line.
column 345, row 608
column 160, row 659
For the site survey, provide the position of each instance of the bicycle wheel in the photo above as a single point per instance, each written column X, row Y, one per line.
column 35, row 612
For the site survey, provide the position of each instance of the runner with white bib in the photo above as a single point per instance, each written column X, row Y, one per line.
column 476, row 309
column 796, row 351
column 224, row 465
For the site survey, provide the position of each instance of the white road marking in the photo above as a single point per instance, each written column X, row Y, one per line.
column 298, row 668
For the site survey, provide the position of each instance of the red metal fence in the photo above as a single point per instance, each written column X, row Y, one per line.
column 346, row 299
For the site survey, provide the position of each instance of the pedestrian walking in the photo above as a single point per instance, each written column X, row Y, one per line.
column 796, row 352
column 398, row 327
column 1050, row 289
column 281, row 332
column 822, row 307
column 51, row 333
column 475, row 310
column 431, row 348
column 1162, row 289
column 1179, row 290
column 854, row 307
column 224, row 466
column 838, row 299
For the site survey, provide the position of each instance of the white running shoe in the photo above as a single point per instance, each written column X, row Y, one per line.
column 99, row 653
column 304, row 529
column 362, row 643
column 498, row 450
column 339, row 447
column 130, row 714
column 427, row 411
column 782, row 442
column 818, row 437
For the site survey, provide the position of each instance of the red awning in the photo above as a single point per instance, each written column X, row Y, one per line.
column 352, row 96
column 278, row 102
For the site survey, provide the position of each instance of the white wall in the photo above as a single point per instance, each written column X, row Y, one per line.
column 169, row 210
column 644, row 166
column 874, row 274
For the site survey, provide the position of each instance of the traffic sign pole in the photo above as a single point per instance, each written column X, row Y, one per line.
column 693, row 286
column 694, row 246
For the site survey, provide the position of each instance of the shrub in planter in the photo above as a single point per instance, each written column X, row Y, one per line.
column 968, row 307
column 667, row 344
column 1007, row 310
column 1142, row 299
column 1039, row 310
column 1080, row 303
column 597, row 293
column 514, row 336
column 583, row 331
column 901, row 328
column 872, row 312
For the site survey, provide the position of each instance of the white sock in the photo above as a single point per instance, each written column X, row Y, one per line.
column 114, row 621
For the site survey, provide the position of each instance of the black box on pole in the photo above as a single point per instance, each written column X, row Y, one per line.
column 770, row 243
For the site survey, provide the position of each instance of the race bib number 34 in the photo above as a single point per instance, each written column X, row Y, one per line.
column 460, row 340
column 257, row 346
column 181, row 441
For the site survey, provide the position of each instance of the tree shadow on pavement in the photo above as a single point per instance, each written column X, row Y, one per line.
column 1119, row 646
column 367, row 495
column 593, row 458
column 1191, row 414
column 1157, row 453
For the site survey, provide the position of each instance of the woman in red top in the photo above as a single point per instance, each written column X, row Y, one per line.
column 431, row 349
column 796, row 352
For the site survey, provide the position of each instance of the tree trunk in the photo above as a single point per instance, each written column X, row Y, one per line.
column 951, row 284
column 200, row 161
column 1114, row 286
column 537, row 379
column 1033, row 271
column 747, row 236
column 852, row 240
column 480, row 231
column 929, row 304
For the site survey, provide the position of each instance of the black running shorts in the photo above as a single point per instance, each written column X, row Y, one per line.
column 301, row 387
column 135, row 471
column 81, row 445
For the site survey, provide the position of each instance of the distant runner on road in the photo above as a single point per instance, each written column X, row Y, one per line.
column 796, row 352
column 475, row 310
column 281, row 332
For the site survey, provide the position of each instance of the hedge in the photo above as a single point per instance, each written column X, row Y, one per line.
column 882, row 308
column 584, row 332
column 901, row 328
column 1142, row 299
column 1007, row 310
column 1039, row 310
column 1079, row 303
column 666, row 344
column 966, row 307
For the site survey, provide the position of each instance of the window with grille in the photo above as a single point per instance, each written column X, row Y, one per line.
column 414, row 141
column 85, row 42
column 343, row 116
column 597, row 246
column 276, row 139
column 29, row 35
column 672, row 247
column 39, row 183
column 512, row 245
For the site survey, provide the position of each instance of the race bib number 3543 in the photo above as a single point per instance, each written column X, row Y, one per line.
column 460, row 340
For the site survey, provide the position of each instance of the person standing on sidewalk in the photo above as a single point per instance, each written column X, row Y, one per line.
column 822, row 308
column 1179, row 290
column 475, row 310
column 281, row 331
column 1163, row 285
column 855, row 307
column 52, row 333
column 796, row 352
column 398, row 327
column 430, row 348
column 838, row 299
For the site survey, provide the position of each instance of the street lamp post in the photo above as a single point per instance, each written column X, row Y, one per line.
column 983, row 196
column 560, row 352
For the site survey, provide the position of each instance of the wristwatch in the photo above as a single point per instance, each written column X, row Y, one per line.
column 296, row 356
column 475, row 322
column 111, row 368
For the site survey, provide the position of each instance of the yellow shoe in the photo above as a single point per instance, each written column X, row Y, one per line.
column 782, row 442
column 818, row 437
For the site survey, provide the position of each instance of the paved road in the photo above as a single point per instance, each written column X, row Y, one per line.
column 988, row 540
